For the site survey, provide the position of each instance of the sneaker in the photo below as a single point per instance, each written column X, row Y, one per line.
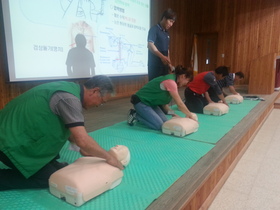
column 131, row 117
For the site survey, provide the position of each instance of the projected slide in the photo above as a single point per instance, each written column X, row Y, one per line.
column 58, row 39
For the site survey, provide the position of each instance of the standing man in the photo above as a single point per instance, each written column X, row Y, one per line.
column 159, row 63
column 35, row 125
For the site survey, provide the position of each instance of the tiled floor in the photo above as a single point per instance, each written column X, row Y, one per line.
column 254, row 184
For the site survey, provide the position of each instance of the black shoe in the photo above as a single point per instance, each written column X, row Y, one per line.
column 131, row 117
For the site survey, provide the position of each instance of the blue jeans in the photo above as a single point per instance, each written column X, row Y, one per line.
column 153, row 117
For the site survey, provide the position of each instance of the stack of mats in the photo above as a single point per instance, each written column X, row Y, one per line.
column 157, row 161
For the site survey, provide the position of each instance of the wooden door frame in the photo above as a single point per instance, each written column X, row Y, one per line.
column 202, row 55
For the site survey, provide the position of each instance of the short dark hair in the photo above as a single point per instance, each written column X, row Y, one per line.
column 169, row 14
column 240, row 74
column 179, row 70
column 104, row 83
column 223, row 70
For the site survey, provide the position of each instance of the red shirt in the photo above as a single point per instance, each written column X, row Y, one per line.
column 198, row 85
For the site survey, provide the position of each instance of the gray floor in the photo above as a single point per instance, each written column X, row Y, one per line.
column 108, row 114
column 254, row 184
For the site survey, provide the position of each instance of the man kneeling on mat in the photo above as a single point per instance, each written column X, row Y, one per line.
column 196, row 95
column 227, row 81
column 35, row 126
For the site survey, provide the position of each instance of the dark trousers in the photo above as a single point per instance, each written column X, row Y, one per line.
column 13, row 179
column 156, row 71
column 213, row 95
column 195, row 102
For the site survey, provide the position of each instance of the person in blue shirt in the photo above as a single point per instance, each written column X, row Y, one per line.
column 159, row 62
column 228, row 81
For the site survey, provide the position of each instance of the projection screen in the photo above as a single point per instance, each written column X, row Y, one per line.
column 61, row 39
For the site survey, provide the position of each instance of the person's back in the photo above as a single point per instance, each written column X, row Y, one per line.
column 227, row 82
column 196, row 94
column 29, row 128
column 35, row 125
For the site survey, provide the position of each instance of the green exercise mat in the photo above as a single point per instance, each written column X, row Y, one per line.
column 213, row 128
column 157, row 161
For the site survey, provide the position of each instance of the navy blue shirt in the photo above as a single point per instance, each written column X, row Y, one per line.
column 160, row 38
column 227, row 81
column 210, row 79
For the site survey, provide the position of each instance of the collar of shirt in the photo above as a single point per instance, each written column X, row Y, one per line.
column 161, row 27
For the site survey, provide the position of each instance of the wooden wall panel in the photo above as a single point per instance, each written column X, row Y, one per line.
column 226, row 34
column 266, row 31
column 262, row 76
column 241, row 39
column 275, row 38
column 247, row 30
column 254, row 27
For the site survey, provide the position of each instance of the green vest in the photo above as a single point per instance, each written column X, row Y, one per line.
column 31, row 135
column 152, row 95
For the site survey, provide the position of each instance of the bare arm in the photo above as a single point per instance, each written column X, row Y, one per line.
column 171, row 68
column 165, row 59
column 89, row 147
column 221, row 96
column 169, row 110
column 232, row 90
column 181, row 105
column 206, row 94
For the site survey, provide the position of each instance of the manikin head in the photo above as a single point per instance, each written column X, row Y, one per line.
column 122, row 153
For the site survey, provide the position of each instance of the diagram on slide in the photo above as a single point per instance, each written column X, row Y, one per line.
column 124, row 53
column 45, row 30
column 83, row 8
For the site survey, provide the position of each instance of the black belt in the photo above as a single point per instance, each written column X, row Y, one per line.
column 194, row 93
column 135, row 99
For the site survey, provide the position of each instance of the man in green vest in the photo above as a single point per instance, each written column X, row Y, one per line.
column 35, row 125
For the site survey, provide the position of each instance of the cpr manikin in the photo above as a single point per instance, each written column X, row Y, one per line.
column 180, row 126
column 88, row 177
column 215, row 109
column 234, row 99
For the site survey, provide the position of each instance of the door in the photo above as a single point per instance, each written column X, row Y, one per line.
column 207, row 45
